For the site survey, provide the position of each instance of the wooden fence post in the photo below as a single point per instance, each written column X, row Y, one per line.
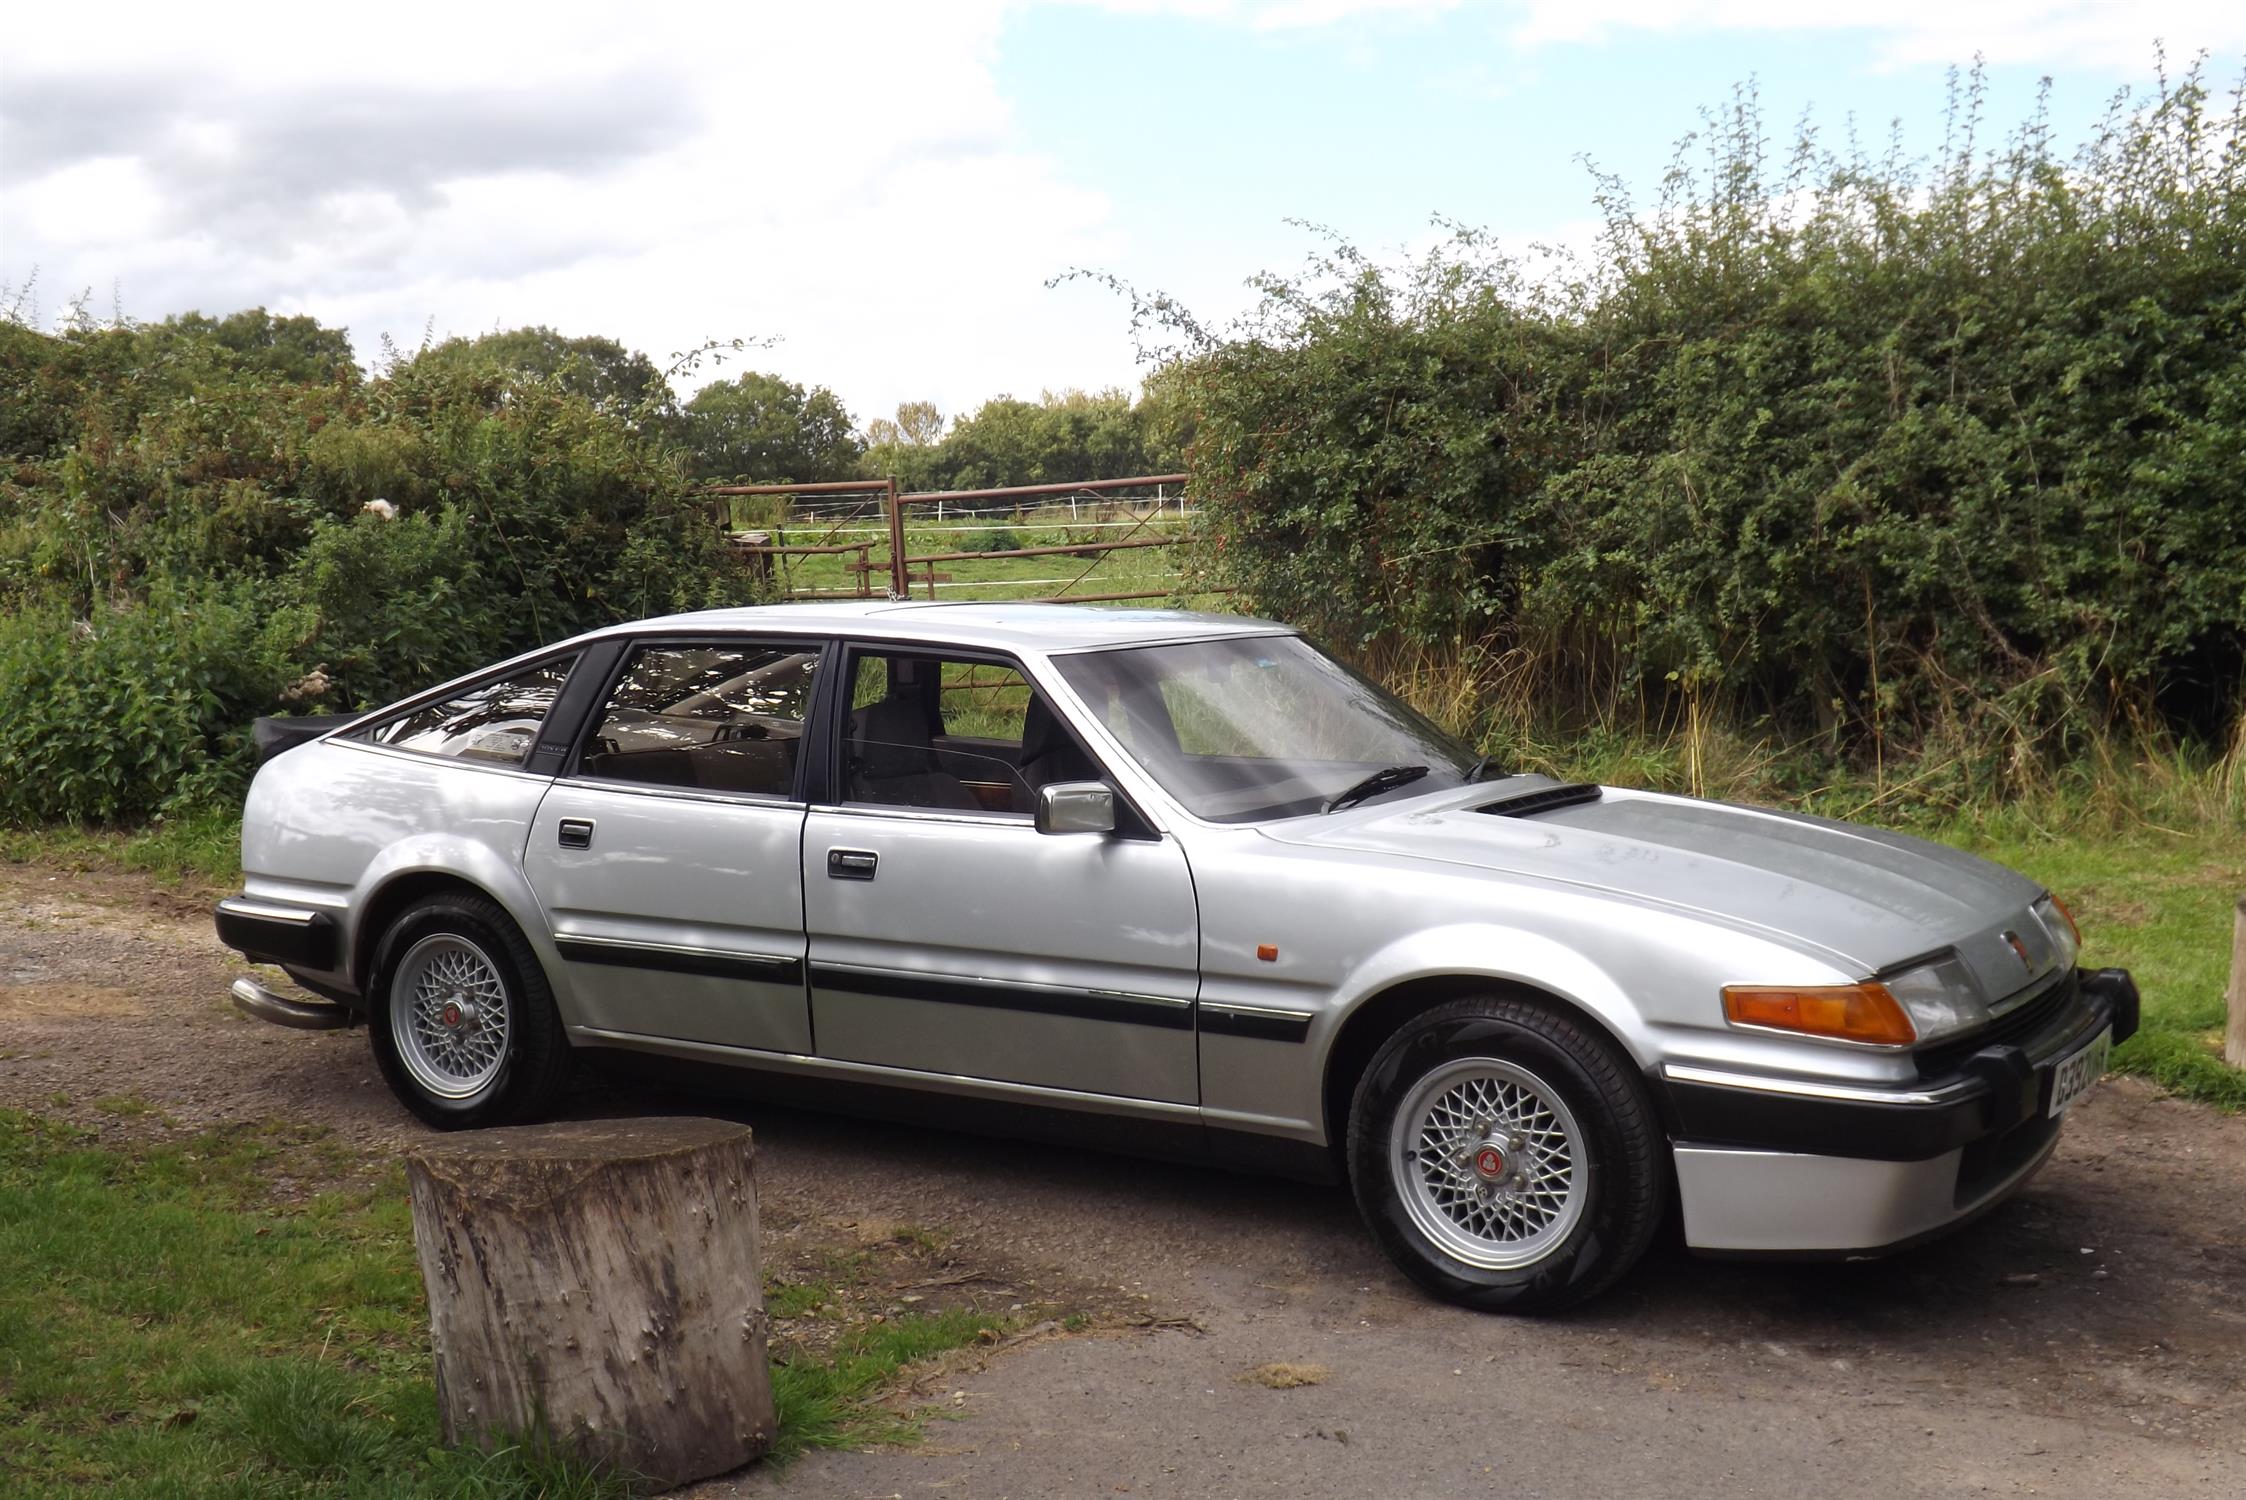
column 2234, row 1038
column 599, row 1279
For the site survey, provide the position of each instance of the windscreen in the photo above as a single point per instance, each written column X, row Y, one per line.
column 1247, row 728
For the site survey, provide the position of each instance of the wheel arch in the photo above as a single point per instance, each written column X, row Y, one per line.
column 389, row 899
column 1374, row 1018
column 391, row 891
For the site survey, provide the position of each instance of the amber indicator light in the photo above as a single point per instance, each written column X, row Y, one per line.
column 1846, row 1012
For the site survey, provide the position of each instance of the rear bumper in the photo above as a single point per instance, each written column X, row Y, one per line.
column 1786, row 1165
column 274, row 933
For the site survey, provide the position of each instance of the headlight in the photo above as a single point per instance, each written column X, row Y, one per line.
column 1916, row 1005
column 2058, row 922
column 1939, row 998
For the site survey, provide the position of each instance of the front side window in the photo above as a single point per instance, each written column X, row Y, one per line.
column 1254, row 727
column 718, row 717
column 495, row 723
column 968, row 736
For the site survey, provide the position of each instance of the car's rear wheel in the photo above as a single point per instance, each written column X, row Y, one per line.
column 461, row 1017
column 1505, row 1156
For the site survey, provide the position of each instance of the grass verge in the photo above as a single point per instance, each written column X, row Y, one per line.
column 2159, row 903
column 202, row 848
column 168, row 1327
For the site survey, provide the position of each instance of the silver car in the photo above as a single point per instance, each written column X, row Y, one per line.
column 1180, row 884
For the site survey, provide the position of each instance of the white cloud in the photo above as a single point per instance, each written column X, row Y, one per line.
column 2036, row 33
column 1279, row 15
column 844, row 178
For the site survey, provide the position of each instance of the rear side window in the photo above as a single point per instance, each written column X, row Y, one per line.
column 718, row 718
column 495, row 723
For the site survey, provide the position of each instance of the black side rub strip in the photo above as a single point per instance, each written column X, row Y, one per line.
column 1260, row 1025
column 683, row 961
column 1543, row 799
column 1043, row 1000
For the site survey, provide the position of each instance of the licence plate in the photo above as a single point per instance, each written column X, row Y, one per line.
column 2072, row 1076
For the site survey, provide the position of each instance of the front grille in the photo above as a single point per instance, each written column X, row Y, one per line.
column 2016, row 1025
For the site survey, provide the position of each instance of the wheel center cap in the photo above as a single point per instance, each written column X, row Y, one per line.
column 453, row 1016
column 1489, row 1163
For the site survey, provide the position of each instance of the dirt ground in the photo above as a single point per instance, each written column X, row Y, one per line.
column 2087, row 1339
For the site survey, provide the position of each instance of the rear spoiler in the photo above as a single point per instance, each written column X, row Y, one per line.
column 273, row 735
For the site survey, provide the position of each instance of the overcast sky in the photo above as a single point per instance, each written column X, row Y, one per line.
column 886, row 189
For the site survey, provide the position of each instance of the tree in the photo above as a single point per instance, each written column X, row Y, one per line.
column 599, row 369
column 907, row 445
column 762, row 428
column 296, row 349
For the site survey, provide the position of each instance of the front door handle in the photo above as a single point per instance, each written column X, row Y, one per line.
column 576, row 833
column 851, row 864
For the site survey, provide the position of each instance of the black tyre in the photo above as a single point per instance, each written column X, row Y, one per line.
column 1505, row 1156
column 461, row 1017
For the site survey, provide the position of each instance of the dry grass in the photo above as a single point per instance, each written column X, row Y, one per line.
column 1281, row 1376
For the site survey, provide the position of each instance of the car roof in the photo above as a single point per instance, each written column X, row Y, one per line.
column 1045, row 628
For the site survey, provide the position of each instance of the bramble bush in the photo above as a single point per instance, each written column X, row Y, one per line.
column 1879, row 456
column 145, row 708
column 184, row 543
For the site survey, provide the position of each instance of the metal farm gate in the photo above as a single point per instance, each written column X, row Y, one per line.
column 863, row 534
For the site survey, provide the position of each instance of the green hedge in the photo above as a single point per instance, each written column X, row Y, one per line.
column 1871, row 453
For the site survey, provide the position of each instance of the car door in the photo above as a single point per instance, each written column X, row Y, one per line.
column 948, row 935
column 669, row 857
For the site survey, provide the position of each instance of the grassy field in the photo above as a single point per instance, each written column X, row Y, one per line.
column 2160, row 904
column 173, row 1323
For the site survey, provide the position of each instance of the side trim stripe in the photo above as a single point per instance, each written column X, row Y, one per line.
column 1255, row 1022
column 1047, row 1000
column 703, row 961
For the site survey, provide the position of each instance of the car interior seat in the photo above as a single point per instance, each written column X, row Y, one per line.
column 892, row 750
column 1050, row 754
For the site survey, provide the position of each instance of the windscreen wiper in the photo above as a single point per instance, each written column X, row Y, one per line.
column 1387, row 778
column 1486, row 768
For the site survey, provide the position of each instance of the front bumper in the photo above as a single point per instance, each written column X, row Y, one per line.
column 1788, row 1165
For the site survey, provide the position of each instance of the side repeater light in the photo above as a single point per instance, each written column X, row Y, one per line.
column 1843, row 1012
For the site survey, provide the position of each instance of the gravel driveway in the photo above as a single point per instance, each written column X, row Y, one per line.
column 2087, row 1339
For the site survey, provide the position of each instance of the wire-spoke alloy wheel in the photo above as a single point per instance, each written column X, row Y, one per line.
column 461, row 1016
column 1490, row 1163
column 449, row 1016
column 1504, row 1152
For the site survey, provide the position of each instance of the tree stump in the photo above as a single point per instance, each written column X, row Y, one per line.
column 2234, row 1036
column 599, row 1280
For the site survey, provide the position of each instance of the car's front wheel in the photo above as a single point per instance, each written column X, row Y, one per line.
column 1505, row 1156
column 461, row 1018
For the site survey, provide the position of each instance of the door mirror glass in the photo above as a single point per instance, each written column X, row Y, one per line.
column 1076, row 807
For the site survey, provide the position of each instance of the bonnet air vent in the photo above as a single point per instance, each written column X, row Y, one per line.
column 1543, row 799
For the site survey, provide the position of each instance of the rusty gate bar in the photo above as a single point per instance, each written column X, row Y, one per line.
column 821, row 487
column 900, row 571
column 1021, row 491
column 1068, row 549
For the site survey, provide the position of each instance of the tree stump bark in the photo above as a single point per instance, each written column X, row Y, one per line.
column 599, row 1280
column 2234, row 1036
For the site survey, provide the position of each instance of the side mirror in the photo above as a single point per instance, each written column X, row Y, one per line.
column 1076, row 807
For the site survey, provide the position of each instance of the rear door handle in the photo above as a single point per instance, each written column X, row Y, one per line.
column 851, row 864
column 576, row 833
